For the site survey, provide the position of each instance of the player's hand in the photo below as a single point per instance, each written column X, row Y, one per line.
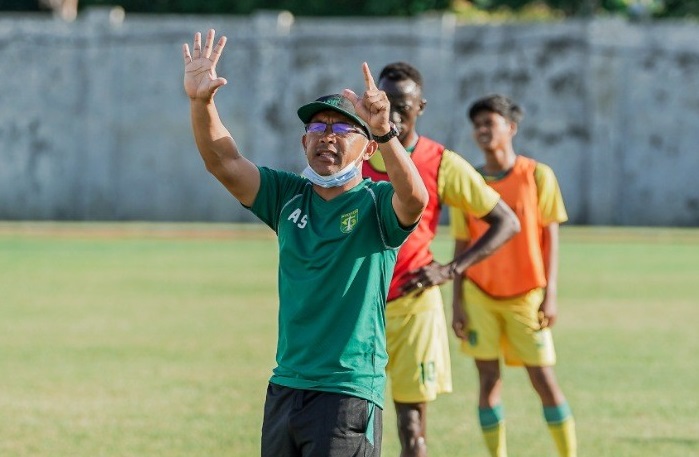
column 459, row 321
column 430, row 275
column 548, row 311
column 373, row 107
column 200, row 80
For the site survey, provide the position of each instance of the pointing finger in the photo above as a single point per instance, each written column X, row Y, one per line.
column 368, row 79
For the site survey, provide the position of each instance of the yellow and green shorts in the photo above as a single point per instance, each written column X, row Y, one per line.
column 419, row 366
column 507, row 328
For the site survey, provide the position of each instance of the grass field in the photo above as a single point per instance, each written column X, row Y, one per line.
column 151, row 340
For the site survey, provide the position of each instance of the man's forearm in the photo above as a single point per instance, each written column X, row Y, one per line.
column 550, row 251
column 503, row 225
column 457, row 284
column 220, row 153
column 213, row 140
column 404, row 176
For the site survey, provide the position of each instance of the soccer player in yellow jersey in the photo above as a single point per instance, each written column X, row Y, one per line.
column 419, row 365
column 506, row 304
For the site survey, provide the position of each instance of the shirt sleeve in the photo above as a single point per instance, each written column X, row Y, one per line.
column 551, row 205
column 274, row 184
column 458, row 225
column 460, row 186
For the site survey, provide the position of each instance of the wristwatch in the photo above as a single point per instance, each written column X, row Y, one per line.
column 391, row 133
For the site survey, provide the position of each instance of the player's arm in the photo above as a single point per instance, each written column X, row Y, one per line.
column 216, row 145
column 459, row 318
column 548, row 311
column 502, row 225
column 552, row 214
column 410, row 198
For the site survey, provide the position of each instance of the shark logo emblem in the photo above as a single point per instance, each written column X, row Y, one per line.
column 348, row 221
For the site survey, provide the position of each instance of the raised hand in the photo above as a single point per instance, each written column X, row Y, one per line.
column 374, row 107
column 200, row 80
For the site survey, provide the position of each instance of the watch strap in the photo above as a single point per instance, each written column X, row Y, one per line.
column 393, row 132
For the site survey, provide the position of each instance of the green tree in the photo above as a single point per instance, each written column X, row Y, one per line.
column 19, row 5
column 569, row 8
column 296, row 7
column 370, row 8
column 681, row 8
column 573, row 8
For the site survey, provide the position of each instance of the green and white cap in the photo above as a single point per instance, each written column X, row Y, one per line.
column 334, row 102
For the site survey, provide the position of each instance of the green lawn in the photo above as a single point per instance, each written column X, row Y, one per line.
column 151, row 340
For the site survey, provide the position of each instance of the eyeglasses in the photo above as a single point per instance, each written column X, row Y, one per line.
column 338, row 128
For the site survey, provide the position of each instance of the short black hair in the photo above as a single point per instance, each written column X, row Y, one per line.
column 400, row 71
column 497, row 103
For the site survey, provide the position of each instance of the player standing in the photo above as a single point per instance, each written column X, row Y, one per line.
column 505, row 306
column 419, row 365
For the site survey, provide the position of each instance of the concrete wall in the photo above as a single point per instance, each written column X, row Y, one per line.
column 94, row 121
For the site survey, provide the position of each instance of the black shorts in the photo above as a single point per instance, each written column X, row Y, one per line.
column 309, row 423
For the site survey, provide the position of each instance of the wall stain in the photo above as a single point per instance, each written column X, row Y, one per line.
column 552, row 50
column 688, row 61
column 568, row 82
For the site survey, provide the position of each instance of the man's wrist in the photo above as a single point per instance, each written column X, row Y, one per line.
column 385, row 137
column 385, row 129
column 201, row 101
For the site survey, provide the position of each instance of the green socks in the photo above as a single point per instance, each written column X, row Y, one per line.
column 562, row 427
column 492, row 422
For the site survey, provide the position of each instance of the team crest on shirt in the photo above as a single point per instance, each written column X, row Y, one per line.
column 348, row 221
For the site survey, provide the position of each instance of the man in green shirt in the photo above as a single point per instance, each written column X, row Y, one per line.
column 338, row 240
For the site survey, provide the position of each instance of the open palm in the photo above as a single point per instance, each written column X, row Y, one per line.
column 200, row 80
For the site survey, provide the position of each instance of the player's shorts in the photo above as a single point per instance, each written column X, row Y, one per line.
column 311, row 422
column 507, row 328
column 419, row 366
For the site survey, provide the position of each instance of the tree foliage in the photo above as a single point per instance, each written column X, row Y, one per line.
column 681, row 8
column 573, row 8
column 568, row 8
column 19, row 5
column 297, row 7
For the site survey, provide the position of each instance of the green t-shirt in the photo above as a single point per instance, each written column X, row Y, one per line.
column 336, row 260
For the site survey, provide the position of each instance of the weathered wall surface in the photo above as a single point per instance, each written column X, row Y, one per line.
column 94, row 121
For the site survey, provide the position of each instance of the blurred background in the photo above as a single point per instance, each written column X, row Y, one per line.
column 94, row 123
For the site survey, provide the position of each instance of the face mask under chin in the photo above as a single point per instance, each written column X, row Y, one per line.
column 337, row 179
